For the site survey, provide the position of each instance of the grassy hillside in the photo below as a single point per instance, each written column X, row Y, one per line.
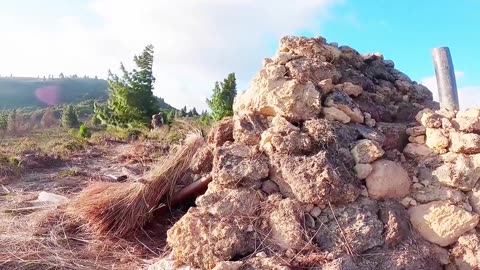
column 23, row 93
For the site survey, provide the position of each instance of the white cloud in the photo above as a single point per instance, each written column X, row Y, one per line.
column 197, row 41
column 468, row 96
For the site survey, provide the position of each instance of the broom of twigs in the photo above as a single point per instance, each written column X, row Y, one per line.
column 118, row 209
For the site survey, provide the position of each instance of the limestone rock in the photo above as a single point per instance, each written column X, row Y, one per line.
column 310, row 48
column 359, row 224
column 438, row 193
column 474, row 199
column 436, row 139
column 429, row 119
column 350, row 88
column 441, row 222
column 230, row 202
column 343, row 102
column 228, row 265
column 334, row 114
column 417, row 139
column 312, row 179
column 367, row 151
column 201, row 241
column 460, row 172
column 388, row 180
column 221, row 133
column 415, row 150
column 416, row 131
column 468, row 143
column 467, row 252
column 236, row 165
column 363, row 170
column 311, row 70
column 283, row 137
column 285, row 223
column 248, row 128
column 467, row 121
column 288, row 98
column 202, row 161
column 326, row 86
column 446, row 113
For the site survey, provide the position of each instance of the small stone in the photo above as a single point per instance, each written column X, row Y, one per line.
column 308, row 207
column 446, row 113
column 364, row 191
column 334, row 114
column 474, row 199
column 405, row 98
column 417, row 186
column 370, row 122
column 270, row 187
column 406, row 201
column 446, row 124
column 309, row 221
column 343, row 102
column 429, row 119
column 436, row 139
column 415, row 150
column 367, row 151
column 267, row 61
column 417, row 139
column 413, row 202
column 316, row 211
column 326, row 86
column 362, row 170
column 261, row 254
column 416, row 131
column 350, row 88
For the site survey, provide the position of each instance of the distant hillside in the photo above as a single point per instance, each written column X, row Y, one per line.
column 40, row 93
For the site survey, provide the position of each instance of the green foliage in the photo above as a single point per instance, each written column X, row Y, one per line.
column 69, row 117
column 170, row 117
column 84, row 132
column 12, row 121
column 223, row 95
column 205, row 119
column 131, row 98
column 3, row 121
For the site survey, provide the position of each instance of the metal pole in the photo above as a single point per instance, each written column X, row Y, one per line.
column 447, row 85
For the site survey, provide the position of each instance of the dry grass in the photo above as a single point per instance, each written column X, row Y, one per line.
column 51, row 240
column 118, row 209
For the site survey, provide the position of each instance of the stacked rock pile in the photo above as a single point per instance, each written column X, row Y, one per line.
column 322, row 168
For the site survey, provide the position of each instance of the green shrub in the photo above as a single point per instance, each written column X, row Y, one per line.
column 84, row 132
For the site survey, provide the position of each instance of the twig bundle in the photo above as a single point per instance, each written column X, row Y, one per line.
column 118, row 209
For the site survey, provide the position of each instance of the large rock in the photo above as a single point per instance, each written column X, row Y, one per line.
column 277, row 96
column 283, row 137
column 363, row 170
column 230, row 202
column 388, row 180
column 436, row 139
column 467, row 121
column 315, row 179
column 221, row 133
column 285, row 222
column 343, row 102
column 429, row 119
column 460, row 171
column 367, row 151
column 416, row 131
column 468, row 143
column 356, row 224
column 248, row 128
column 202, row 241
column 442, row 223
column 350, row 88
column 236, row 165
column 202, row 160
column 313, row 70
column 467, row 252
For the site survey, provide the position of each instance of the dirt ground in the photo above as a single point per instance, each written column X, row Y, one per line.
column 26, row 242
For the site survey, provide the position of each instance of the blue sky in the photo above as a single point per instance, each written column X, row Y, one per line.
column 200, row 41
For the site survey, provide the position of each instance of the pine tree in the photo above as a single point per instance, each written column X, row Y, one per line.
column 131, row 95
column 170, row 117
column 194, row 112
column 12, row 121
column 183, row 111
column 69, row 117
column 223, row 95
column 3, row 121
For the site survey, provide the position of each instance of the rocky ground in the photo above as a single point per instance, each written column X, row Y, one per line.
column 335, row 160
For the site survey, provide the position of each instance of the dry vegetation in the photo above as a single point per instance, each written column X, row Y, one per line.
column 40, row 236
